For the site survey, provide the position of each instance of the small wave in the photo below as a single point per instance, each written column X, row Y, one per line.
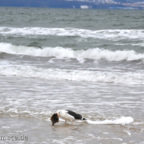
column 117, row 121
column 45, row 115
column 121, row 120
column 138, row 123
column 73, row 75
column 18, row 112
column 116, row 34
column 62, row 53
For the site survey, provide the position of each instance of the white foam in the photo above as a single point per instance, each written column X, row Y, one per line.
column 122, row 121
column 44, row 114
column 80, row 55
column 25, row 112
column 115, row 34
column 72, row 75
column 138, row 123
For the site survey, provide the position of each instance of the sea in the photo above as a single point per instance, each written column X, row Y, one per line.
column 87, row 61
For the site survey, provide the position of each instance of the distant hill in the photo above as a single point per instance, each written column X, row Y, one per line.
column 83, row 4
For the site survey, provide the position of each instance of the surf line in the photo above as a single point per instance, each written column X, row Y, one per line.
column 72, row 116
column 121, row 121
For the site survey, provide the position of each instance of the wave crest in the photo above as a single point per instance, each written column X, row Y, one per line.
column 62, row 53
column 109, row 34
column 73, row 75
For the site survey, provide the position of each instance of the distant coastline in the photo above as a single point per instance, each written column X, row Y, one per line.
column 70, row 4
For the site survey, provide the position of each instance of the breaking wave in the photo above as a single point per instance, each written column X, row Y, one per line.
column 62, row 53
column 45, row 115
column 73, row 75
column 115, row 34
column 121, row 120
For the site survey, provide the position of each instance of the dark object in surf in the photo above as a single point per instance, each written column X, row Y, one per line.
column 54, row 119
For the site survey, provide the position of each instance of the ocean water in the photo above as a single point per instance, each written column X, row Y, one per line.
column 88, row 61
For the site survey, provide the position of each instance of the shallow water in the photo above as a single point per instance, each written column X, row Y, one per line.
column 28, row 104
column 71, row 59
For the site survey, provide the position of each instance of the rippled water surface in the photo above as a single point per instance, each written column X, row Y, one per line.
column 88, row 61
